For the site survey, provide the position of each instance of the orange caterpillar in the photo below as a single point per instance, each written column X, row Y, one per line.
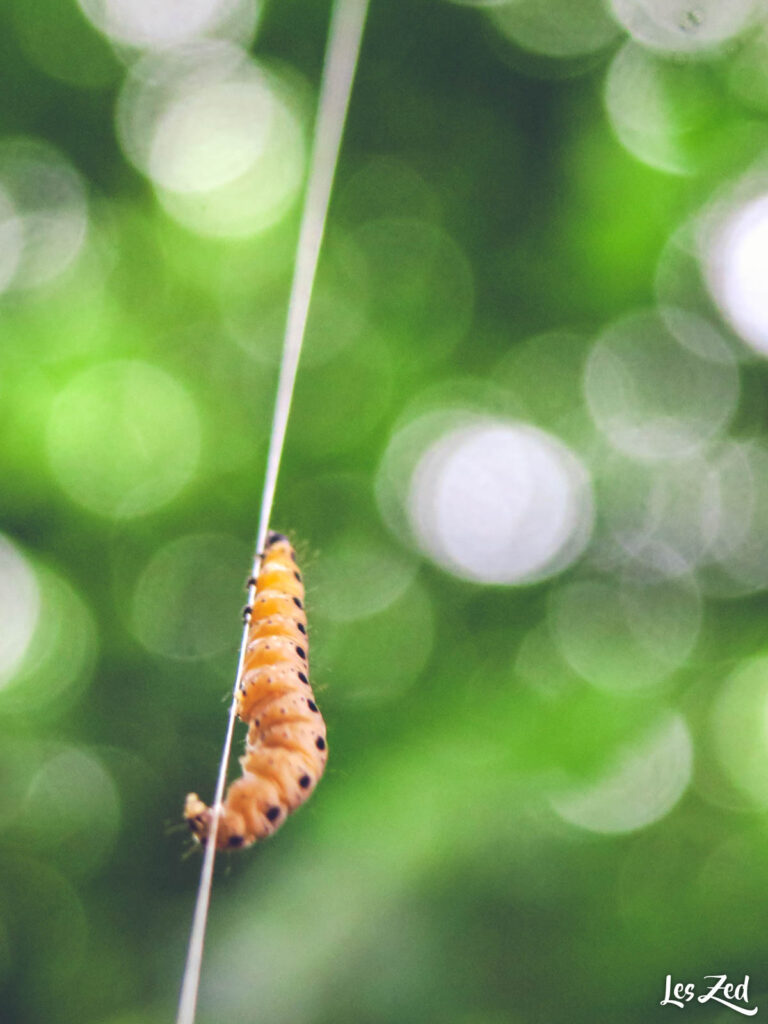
column 286, row 749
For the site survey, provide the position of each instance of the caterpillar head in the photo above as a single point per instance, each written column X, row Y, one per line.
column 230, row 833
column 197, row 816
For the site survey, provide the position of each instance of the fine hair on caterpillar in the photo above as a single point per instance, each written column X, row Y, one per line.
column 286, row 748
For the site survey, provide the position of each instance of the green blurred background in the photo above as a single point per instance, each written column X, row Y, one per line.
column 526, row 473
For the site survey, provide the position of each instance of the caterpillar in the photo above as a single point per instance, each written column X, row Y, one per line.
column 286, row 748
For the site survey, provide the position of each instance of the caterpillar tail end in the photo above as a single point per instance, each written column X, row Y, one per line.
column 231, row 831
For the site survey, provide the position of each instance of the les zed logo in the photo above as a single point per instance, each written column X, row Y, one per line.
column 720, row 991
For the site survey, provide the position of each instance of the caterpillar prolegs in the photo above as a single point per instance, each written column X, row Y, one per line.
column 286, row 749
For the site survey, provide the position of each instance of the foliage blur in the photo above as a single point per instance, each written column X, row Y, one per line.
column 526, row 473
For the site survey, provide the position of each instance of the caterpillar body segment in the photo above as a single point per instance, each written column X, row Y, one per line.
column 264, row 685
column 278, row 625
column 274, row 602
column 286, row 747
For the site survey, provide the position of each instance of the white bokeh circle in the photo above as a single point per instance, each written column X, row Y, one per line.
column 736, row 268
column 219, row 136
column 500, row 502
column 644, row 782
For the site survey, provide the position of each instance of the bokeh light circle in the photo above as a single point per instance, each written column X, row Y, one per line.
column 747, row 70
column 679, row 26
column 168, row 614
column 557, row 358
column 357, row 577
column 49, row 209
column 735, row 265
column 740, row 727
column 59, row 660
column 678, row 515
column 641, row 786
column 19, row 608
column 740, row 562
column 123, row 438
column 654, row 398
column 680, row 280
column 627, row 634
column 199, row 143
column 556, row 28
column 658, row 108
column 11, row 239
column 72, row 808
column 219, row 136
column 499, row 502
column 159, row 24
